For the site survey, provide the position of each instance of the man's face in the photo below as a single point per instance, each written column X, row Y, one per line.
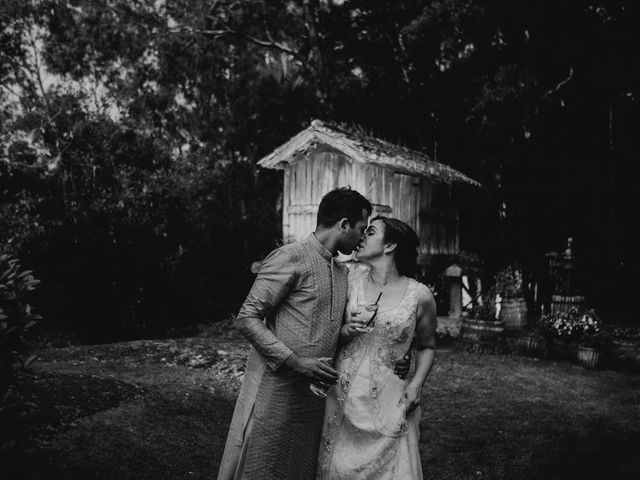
column 353, row 234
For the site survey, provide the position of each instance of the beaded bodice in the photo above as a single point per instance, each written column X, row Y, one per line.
column 393, row 328
column 375, row 354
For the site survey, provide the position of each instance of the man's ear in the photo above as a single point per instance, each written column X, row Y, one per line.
column 344, row 224
column 390, row 247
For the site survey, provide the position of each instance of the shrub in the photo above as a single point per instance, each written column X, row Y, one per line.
column 16, row 318
column 508, row 282
column 485, row 308
column 624, row 332
column 573, row 326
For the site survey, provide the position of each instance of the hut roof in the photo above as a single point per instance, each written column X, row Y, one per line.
column 363, row 148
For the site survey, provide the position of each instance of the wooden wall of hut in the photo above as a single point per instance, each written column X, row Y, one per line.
column 429, row 207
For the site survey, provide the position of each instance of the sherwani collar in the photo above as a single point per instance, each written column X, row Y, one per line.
column 314, row 243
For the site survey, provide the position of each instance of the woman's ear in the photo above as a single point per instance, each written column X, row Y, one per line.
column 390, row 247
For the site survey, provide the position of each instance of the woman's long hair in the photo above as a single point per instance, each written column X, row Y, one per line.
column 406, row 252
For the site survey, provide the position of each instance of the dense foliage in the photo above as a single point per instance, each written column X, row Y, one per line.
column 508, row 282
column 16, row 319
column 130, row 132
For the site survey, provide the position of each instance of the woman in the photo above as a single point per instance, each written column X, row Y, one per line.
column 371, row 425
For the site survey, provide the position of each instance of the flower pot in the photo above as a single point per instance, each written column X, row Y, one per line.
column 588, row 357
column 534, row 345
column 481, row 335
column 564, row 349
column 631, row 346
column 626, row 349
column 513, row 312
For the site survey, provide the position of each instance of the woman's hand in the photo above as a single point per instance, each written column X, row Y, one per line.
column 350, row 330
column 413, row 396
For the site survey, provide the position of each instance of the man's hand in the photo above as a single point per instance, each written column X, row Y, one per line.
column 312, row 368
column 403, row 366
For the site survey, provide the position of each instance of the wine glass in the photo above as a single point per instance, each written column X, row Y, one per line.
column 364, row 313
column 320, row 389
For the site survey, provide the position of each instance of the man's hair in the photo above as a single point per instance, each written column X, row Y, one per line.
column 406, row 252
column 342, row 203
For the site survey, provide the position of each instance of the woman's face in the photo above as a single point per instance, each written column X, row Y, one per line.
column 372, row 244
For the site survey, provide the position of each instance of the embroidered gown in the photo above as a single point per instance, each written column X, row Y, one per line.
column 366, row 434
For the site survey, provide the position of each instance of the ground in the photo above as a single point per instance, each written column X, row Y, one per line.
column 160, row 409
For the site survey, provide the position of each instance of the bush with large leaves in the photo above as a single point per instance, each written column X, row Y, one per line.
column 16, row 319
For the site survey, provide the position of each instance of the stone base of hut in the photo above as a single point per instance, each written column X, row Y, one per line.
column 449, row 326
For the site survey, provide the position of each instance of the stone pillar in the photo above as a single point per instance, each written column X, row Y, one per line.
column 454, row 276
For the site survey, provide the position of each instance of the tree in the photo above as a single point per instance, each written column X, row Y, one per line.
column 131, row 129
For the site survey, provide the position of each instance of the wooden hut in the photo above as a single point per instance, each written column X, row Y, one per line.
column 399, row 182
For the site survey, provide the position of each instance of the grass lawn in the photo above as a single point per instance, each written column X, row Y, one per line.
column 161, row 409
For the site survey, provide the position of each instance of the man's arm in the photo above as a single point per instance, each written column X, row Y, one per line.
column 273, row 283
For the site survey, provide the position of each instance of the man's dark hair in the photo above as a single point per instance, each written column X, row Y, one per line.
column 342, row 203
column 406, row 252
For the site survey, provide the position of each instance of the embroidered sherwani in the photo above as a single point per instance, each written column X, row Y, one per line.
column 295, row 305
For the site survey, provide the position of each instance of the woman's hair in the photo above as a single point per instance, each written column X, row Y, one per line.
column 406, row 252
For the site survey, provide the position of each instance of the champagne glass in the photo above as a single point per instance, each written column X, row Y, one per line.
column 320, row 389
column 364, row 314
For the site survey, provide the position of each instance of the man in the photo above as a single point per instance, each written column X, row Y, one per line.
column 301, row 292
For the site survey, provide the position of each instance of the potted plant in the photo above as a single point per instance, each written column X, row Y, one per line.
column 535, row 340
column 625, row 345
column 513, row 307
column 590, row 349
column 592, row 341
column 562, row 330
column 482, row 330
column 580, row 331
column 625, row 340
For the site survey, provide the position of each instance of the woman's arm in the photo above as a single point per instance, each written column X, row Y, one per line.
column 427, row 323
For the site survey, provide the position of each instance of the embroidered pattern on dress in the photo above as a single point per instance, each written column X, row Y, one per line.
column 374, row 390
column 344, row 385
column 391, row 341
column 349, row 367
column 387, row 357
column 404, row 335
column 351, row 348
